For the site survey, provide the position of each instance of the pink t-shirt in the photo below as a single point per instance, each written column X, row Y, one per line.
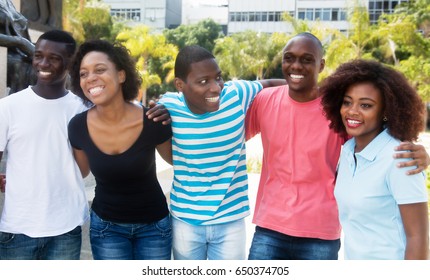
column 295, row 194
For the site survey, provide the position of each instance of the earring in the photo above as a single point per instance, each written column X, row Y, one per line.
column 384, row 119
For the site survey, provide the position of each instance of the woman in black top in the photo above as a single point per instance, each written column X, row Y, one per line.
column 116, row 141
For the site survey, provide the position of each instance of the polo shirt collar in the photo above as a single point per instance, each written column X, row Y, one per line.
column 374, row 147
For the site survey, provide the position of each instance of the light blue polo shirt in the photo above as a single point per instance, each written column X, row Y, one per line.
column 368, row 194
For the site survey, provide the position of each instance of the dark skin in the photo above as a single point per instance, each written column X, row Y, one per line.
column 50, row 57
column 50, row 62
column 302, row 62
column 417, row 153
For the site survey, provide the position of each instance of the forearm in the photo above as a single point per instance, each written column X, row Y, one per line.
column 273, row 82
column 417, row 248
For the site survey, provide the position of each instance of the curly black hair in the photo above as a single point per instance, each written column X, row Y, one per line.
column 402, row 105
column 118, row 55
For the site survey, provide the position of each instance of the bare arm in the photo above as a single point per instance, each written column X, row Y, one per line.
column 272, row 82
column 416, row 224
column 418, row 153
column 82, row 161
column 165, row 151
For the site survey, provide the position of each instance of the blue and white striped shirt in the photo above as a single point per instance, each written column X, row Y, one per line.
column 210, row 184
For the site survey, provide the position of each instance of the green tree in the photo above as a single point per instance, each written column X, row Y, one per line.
column 228, row 52
column 71, row 18
column 249, row 54
column 97, row 21
column 203, row 33
column 420, row 10
column 148, row 48
column 87, row 19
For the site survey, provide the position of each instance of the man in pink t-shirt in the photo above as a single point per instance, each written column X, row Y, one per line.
column 296, row 212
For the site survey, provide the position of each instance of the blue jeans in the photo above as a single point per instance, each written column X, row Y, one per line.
column 271, row 245
column 66, row 246
column 214, row 242
column 115, row 241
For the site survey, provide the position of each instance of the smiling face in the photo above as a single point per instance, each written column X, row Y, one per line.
column 50, row 61
column 362, row 113
column 99, row 79
column 301, row 64
column 202, row 87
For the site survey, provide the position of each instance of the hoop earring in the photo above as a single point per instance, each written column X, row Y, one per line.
column 384, row 119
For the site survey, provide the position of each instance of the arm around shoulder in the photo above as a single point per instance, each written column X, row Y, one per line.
column 273, row 82
column 418, row 155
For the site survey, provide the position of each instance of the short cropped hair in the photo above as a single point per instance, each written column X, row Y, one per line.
column 313, row 38
column 60, row 36
column 187, row 56
column 119, row 55
column 403, row 106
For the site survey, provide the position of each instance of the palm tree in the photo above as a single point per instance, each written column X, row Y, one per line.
column 146, row 46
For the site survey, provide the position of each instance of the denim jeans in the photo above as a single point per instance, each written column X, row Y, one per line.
column 115, row 241
column 271, row 245
column 214, row 242
column 66, row 246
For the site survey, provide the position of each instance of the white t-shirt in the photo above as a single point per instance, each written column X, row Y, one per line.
column 45, row 193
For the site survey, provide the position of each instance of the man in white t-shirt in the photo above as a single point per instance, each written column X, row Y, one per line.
column 45, row 202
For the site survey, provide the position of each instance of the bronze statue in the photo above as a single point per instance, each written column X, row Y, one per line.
column 43, row 15
column 14, row 36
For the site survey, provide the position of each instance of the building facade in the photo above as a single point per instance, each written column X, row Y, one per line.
column 266, row 16
column 157, row 14
column 240, row 15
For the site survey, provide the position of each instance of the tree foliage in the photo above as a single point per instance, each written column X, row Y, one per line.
column 87, row 19
column 152, row 53
column 401, row 40
column 203, row 33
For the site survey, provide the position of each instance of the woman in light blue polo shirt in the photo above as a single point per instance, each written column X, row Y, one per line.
column 382, row 210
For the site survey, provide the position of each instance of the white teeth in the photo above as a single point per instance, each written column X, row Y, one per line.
column 43, row 73
column 212, row 99
column 296, row 76
column 95, row 90
column 353, row 122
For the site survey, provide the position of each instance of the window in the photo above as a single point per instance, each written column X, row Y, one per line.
column 263, row 16
column 258, row 16
column 334, row 14
column 317, row 14
column 342, row 14
column 232, row 16
column 126, row 14
column 301, row 14
column 310, row 14
column 326, row 14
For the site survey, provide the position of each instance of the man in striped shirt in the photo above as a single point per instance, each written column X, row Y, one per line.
column 209, row 197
